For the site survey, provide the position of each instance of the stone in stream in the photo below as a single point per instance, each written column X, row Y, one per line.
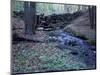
column 40, row 28
column 74, row 53
column 71, row 43
column 52, row 39
column 48, row 29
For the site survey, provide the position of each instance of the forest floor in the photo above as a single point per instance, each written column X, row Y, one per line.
column 58, row 51
column 81, row 26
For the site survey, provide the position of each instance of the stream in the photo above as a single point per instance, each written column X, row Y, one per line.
column 79, row 48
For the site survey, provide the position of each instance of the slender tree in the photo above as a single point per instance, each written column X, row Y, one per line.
column 30, row 17
column 92, row 16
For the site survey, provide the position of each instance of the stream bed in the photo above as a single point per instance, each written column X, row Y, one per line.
column 77, row 46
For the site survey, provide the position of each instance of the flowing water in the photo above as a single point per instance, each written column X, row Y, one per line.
column 79, row 48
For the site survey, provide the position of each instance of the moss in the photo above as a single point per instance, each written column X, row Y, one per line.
column 21, row 59
column 88, row 40
column 91, row 42
column 44, row 58
column 77, row 34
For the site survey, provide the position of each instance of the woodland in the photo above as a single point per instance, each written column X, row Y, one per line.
column 49, row 37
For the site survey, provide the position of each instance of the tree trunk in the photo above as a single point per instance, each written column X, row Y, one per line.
column 30, row 17
column 92, row 16
column 33, row 15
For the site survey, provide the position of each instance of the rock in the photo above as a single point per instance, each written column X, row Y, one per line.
column 52, row 39
column 74, row 53
column 40, row 28
column 48, row 29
